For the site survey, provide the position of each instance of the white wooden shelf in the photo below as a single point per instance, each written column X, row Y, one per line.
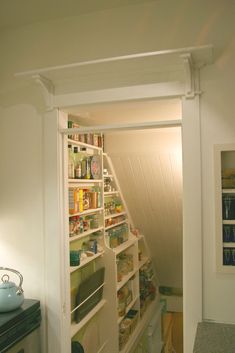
column 128, row 308
column 230, row 268
column 83, row 144
column 229, row 221
column 86, row 261
column 229, row 245
column 76, row 327
column 126, row 279
column 165, row 60
column 110, row 193
column 124, row 245
column 89, row 211
column 84, row 234
column 112, row 215
column 117, row 224
column 84, row 181
column 228, row 191
column 143, row 262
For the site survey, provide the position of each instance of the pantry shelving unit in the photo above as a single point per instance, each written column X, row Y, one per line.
column 90, row 261
column 117, row 245
column 135, row 244
column 224, row 163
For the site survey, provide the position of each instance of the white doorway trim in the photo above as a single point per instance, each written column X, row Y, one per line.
column 192, row 223
column 192, row 237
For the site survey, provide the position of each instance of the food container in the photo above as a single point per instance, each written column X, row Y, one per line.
column 74, row 257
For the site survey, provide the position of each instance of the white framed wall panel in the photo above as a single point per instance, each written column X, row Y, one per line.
column 219, row 149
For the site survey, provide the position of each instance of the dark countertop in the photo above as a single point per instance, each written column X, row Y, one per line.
column 13, row 317
column 214, row 337
column 17, row 324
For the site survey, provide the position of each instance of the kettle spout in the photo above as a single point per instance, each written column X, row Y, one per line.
column 20, row 291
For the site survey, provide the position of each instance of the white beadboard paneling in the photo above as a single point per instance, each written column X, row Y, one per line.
column 150, row 175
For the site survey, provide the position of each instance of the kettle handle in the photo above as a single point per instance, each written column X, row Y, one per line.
column 20, row 289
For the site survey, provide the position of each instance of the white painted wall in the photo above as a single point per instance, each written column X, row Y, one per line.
column 21, row 190
column 153, row 26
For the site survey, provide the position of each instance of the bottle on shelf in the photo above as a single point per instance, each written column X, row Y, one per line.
column 99, row 198
column 88, row 167
column 77, row 164
column 70, row 163
column 83, row 164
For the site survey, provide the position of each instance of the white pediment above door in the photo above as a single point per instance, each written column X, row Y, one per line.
column 165, row 72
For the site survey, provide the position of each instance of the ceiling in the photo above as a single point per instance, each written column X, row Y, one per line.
column 14, row 13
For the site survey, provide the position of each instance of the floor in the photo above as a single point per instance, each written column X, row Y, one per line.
column 172, row 324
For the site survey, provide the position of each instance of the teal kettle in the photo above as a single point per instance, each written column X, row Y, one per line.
column 11, row 295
